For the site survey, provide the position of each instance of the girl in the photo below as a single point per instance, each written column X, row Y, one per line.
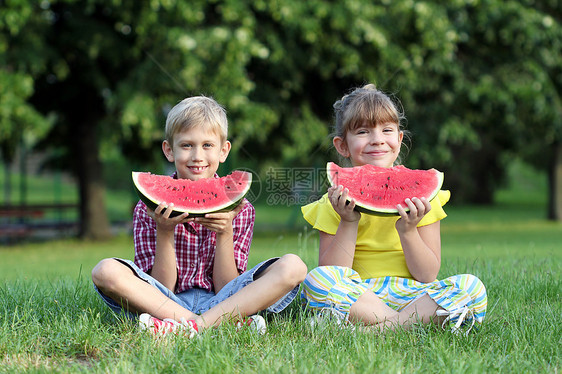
column 381, row 271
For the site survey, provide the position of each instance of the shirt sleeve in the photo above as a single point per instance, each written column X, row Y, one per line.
column 321, row 215
column 436, row 213
column 144, row 237
column 243, row 231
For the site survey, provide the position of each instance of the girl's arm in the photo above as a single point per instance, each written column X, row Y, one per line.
column 421, row 245
column 339, row 249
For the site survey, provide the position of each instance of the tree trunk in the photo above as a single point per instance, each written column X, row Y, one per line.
column 474, row 175
column 555, row 185
column 94, row 224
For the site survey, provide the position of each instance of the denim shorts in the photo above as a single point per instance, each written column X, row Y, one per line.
column 198, row 300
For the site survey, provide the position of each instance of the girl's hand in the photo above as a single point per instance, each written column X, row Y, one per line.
column 221, row 223
column 161, row 215
column 346, row 210
column 409, row 220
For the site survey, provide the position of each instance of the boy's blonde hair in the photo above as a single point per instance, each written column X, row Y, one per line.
column 197, row 111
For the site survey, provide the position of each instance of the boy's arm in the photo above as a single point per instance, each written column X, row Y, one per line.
column 225, row 267
column 164, row 268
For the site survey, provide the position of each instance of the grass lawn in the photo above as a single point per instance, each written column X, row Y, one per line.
column 52, row 320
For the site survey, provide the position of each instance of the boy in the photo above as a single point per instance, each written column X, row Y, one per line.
column 189, row 273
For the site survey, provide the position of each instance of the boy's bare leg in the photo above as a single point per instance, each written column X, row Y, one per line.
column 273, row 283
column 115, row 279
column 118, row 282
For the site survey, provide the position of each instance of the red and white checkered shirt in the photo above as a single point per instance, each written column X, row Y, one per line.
column 195, row 246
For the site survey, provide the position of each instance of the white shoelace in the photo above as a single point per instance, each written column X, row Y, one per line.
column 183, row 324
column 462, row 314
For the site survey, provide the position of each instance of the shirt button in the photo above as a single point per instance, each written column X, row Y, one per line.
column 192, row 265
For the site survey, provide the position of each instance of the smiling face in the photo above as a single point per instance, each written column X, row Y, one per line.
column 196, row 152
column 377, row 145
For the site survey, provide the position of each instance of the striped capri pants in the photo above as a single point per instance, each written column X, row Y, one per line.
column 338, row 287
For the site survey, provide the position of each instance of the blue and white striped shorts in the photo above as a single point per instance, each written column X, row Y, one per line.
column 339, row 287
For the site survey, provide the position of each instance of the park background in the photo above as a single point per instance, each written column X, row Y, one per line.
column 85, row 86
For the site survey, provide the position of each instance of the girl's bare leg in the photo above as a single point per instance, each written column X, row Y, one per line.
column 422, row 309
column 370, row 310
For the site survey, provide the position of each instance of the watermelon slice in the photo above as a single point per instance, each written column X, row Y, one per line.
column 378, row 190
column 195, row 197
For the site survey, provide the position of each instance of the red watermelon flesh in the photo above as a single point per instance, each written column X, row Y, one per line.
column 378, row 190
column 195, row 197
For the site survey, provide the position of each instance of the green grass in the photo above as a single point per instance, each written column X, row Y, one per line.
column 52, row 320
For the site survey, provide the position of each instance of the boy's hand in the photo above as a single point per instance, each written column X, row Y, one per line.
column 409, row 220
column 161, row 215
column 346, row 210
column 221, row 223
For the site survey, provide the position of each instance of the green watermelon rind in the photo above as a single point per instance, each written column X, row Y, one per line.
column 374, row 211
column 153, row 204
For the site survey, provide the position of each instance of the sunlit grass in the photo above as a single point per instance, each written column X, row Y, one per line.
column 52, row 320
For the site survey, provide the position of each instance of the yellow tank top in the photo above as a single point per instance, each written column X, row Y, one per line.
column 378, row 251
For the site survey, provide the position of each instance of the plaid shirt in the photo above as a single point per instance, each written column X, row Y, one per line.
column 195, row 246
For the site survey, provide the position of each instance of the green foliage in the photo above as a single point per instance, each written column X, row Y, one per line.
column 479, row 80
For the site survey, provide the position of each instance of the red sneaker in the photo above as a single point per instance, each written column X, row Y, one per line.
column 167, row 326
column 255, row 323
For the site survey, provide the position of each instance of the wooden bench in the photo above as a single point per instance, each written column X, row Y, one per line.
column 32, row 210
column 20, row 221
column 17, row 212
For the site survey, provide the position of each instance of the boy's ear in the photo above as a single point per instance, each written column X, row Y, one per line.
column 168, row 152
column 341, row 146
column 225, row 150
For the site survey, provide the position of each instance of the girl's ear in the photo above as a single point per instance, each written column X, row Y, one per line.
column 168, row 152
column 341, row 146
column 225, row 150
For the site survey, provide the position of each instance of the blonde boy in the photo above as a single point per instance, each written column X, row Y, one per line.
column 190, row 273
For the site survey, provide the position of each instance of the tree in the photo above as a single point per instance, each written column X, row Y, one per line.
column 21, row 125
column 471, row 76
